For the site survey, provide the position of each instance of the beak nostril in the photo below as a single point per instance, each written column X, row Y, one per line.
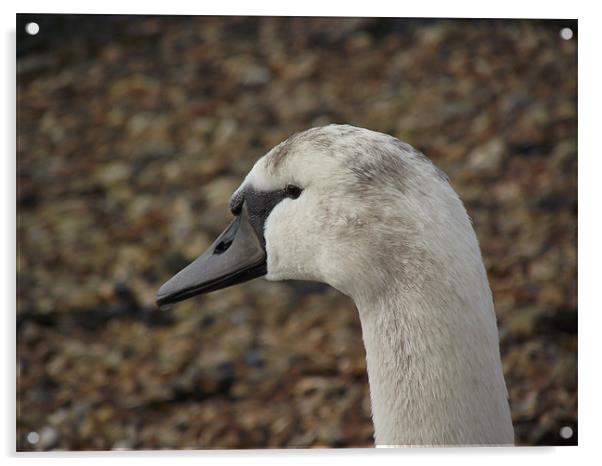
column 222, row 246
column 228, row 237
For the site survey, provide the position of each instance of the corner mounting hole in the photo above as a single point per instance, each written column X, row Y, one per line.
column 32, row 28
column 566, row 33
column 566, row 432
column 33, row 438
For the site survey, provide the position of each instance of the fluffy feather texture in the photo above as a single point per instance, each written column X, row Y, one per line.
column 379, row 222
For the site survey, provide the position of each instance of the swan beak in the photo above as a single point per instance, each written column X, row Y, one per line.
column 236, row 256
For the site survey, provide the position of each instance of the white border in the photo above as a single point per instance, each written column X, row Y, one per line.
column 590, row 320
column 423, row 8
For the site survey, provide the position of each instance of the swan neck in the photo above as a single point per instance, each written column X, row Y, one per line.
column 435, row 371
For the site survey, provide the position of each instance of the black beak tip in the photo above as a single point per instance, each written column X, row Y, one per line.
column 172, row 292
column 163, row 298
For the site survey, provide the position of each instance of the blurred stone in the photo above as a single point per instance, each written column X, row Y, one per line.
column 256, row 75
column 123, row 445
column 49, row 438
column 488, row 157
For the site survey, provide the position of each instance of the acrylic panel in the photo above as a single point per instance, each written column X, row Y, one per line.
column 133, row 133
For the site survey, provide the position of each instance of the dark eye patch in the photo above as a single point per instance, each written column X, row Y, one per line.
column 259, row 204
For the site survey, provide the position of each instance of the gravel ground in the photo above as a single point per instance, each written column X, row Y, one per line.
column 134, row 131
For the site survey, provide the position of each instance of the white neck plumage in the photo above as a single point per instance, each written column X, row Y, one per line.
column 434, row 365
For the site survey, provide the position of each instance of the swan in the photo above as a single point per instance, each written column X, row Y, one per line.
column 377, row 220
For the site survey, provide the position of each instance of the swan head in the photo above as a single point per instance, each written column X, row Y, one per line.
column 336, row 204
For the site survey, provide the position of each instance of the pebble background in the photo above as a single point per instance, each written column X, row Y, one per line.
column 134, row 131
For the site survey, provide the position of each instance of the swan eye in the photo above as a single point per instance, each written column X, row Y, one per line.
column 293, row 191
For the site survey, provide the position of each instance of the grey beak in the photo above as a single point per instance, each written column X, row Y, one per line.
column 236, row 256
